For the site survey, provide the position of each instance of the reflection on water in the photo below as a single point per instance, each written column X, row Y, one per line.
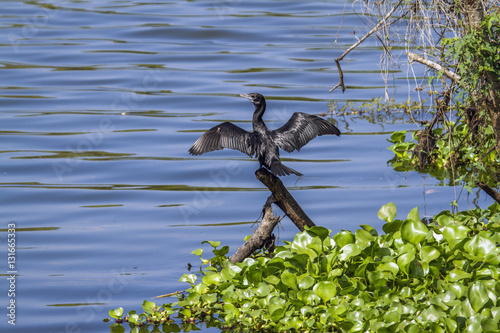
column 99, row 103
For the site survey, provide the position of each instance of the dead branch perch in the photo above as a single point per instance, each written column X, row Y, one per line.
column 376, row 28
column 452, row 75
column 284, row 199
column 490, row 191
column 260, row 237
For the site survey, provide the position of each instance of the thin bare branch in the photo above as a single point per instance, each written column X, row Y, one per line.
column 382, row 23
column 341, row 77
column 452, row 75
column 170, row 294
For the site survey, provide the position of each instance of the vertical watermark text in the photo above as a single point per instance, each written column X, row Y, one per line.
column 11, row 272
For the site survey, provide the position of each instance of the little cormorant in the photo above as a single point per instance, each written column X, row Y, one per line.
column 262, row 142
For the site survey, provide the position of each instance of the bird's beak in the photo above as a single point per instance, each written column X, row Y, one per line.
column 246, row 96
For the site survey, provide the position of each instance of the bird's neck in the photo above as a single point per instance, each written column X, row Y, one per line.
column 258, row 123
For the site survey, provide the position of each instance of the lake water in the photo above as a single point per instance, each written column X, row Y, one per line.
column 99, row 103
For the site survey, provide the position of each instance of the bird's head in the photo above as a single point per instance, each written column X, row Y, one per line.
column 255, row 98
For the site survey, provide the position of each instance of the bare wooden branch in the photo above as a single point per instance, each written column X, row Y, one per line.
column 341, row 77
column 490, row 191
column 284, row 199
column 170, row 294
column 415, row 57
column 260, row 237
column 377, row 27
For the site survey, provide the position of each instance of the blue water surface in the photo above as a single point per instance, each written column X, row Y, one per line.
column 99, row 104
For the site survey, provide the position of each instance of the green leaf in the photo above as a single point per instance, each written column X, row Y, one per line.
column 230, row 272
column 307, row 244
column 306, row 282
column 343, row 238
column 458, row 274
column 489, row 325
column 444, row 220
column 370, row 229
column 390, row 266
column 263, row 289
column 214, row 244
column 413, row 231
column 414, row 215
column 214, row 278
column 133, row 318
column 430, row 314
column 478, row 295
column 451, row 324
column 272, row 279
column 429, row 253
column 148, row 307
column 392, row 227
column 276, row 307
column 363, row 236
column 392, row 316
column 189, row 278
column 116, row 313
column 407, row 256
column 222, row 251
column 198, row 252
column 387, row 212
column 349, row 251
column 309, row 297
column 289, row 280
column 480, row 246
column 397, row 137
column 321, row 232
column 325, row 290
column 454, row 231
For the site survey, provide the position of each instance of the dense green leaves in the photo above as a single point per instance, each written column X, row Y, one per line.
column 440, row 277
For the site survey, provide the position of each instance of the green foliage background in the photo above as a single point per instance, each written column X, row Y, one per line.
column 465, row 149
column 440, row 277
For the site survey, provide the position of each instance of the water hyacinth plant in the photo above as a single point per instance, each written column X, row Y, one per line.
column 443, row 276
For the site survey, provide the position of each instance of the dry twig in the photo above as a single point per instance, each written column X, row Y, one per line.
column 452, row 75
column 379, row 26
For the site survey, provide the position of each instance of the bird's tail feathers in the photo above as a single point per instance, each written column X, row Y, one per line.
column 278, row 169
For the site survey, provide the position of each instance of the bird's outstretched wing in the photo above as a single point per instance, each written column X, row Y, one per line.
column 225, row 135
column 300, row 129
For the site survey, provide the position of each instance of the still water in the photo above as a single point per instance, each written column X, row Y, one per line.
column 99, row 103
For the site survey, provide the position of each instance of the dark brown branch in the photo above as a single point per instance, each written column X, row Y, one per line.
column 379, row 25
column 490, row 191
column 341, row 77
column 260, row 237
column 284, row 199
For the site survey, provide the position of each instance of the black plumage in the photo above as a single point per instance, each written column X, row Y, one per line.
column 262, row 142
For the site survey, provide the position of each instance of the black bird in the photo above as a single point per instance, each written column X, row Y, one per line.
column 262, row 142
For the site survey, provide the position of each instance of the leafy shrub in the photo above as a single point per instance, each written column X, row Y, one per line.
column 454, row 154
column 439, row 277
column 466, row 143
